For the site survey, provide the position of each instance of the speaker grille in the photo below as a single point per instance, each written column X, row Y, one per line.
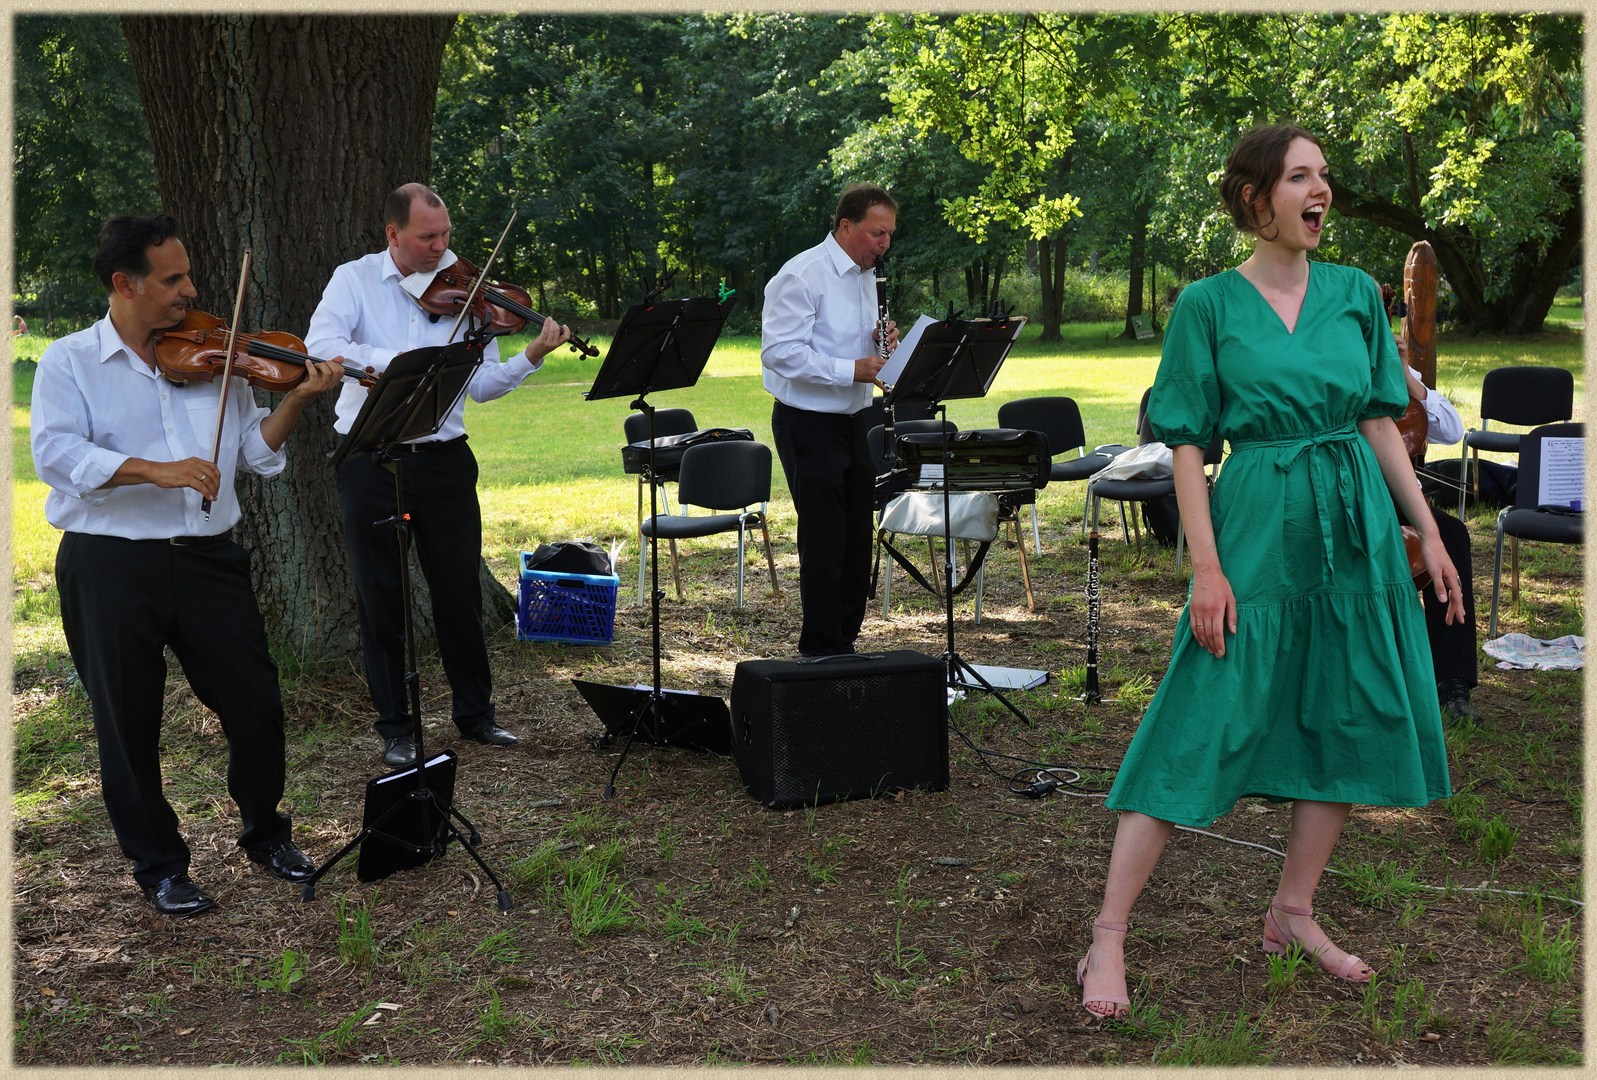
column 836, row 738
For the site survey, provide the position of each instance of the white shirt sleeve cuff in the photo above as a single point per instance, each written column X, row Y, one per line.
column 90, row 474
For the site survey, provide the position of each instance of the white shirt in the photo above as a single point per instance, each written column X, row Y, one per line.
column 96, row 403
column 366, row 317
column 820, row 309
column 1443, row 424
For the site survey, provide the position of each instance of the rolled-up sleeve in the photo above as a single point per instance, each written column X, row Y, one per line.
column 788, row 331
column 64, row 455
column 253, row 453
column 336, row 324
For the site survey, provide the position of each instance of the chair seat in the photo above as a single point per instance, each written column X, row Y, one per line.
column 1540, row 525
column 1135, row 490
column 1078, row 468
column 686, row 528
column 1499, row 442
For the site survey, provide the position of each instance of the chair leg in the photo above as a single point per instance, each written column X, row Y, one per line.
column 1124, row 531
column 742, row 531
column 641, row 560
column 1036, row 537
column 770, row 560
column 1137, row 525
column 1180, row 536
column 981, row 579
column 1025, row 572
column 937, row 573
column 676, row 574
column 1514, row 547
column 887, row 576
column 1085, row 503
column 1497, row 575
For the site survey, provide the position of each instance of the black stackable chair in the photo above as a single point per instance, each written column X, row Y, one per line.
column 1143, row 490
column 727, row 476
column 1527, row 519
column 1523, row 395
column 1059, row 420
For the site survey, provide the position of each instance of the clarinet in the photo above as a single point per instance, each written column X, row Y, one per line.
column 890, row 452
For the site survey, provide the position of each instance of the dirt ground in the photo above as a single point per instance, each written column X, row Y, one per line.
column 924, row 928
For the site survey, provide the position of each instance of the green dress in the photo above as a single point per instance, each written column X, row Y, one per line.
column 1326, row 690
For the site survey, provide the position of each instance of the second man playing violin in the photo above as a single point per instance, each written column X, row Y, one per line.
column 369, row 314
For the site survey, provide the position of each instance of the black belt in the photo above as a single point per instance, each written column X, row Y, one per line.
column 196, row 541
column 427, row 447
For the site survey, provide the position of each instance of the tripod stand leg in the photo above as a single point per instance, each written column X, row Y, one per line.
column 637, row 721
column 308, row 889
column 956, row 664
column 502, row 895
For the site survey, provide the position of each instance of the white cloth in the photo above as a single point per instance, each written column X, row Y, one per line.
column 1443, row 424
column 96, row 404
column 820, row 309
column 1150, row 461
column 368, row 316
column 1524, row 653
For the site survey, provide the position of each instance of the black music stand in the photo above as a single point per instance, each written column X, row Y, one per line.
column 658, row 346
column 403, row 829
column 956, row 358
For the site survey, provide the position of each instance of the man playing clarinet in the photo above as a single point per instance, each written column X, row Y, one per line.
column 820, row 359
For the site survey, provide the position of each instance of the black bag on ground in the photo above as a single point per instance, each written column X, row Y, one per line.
column 571, row 557
column 668, row 449
column 1162, row 515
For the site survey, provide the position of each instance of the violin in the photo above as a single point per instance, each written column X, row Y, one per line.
column 196, row 351
column 504, row 307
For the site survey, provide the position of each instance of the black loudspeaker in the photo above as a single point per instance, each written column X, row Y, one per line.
column 806, row 732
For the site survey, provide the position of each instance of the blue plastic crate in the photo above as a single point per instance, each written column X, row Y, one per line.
column 576, row 608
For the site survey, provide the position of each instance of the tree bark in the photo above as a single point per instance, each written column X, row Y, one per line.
column 1137, row 258
column 1050, row 277
column 283, row 134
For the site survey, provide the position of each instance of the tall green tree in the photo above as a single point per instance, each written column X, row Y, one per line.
column 81, row 152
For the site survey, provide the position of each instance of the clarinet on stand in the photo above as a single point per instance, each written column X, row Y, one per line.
column 889, row 452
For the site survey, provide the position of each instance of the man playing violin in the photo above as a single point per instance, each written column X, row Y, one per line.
column 370, row 314
column 127, row 456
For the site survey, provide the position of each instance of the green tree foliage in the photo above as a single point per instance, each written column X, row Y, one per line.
column 1460, row 130
column 81, row 153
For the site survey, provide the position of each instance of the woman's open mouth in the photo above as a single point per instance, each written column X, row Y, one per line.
column 1314, row 218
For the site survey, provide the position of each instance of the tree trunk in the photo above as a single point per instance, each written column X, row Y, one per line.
column 1534, row 276
column 1137, row 259
column 1051, row 285
column 283, row 134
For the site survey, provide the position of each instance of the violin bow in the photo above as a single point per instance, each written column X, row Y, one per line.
column 227, row 372
column 482, row 277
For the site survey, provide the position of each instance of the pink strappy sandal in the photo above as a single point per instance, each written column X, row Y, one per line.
column 1277, row 941
column 1109, row 999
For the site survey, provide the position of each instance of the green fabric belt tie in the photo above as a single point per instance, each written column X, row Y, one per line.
column 1292, row 447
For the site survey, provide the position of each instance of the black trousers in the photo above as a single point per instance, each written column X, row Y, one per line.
column 446, row 530
column 121, row 602
column 833, row 482
column 1453, row 652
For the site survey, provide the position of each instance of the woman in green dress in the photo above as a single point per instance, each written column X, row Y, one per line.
column 1300, row 669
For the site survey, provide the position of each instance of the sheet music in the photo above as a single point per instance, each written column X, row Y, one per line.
column 1563, row 472
column 906, row 348
column 439, row 760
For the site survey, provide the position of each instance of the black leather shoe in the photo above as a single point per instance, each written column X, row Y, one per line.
column 399, row 751
column 285, row 862
column 1456, row 707
column 488, row 733
column 178, row 896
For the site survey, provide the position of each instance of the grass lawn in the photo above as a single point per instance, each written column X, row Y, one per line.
column 550, row 461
